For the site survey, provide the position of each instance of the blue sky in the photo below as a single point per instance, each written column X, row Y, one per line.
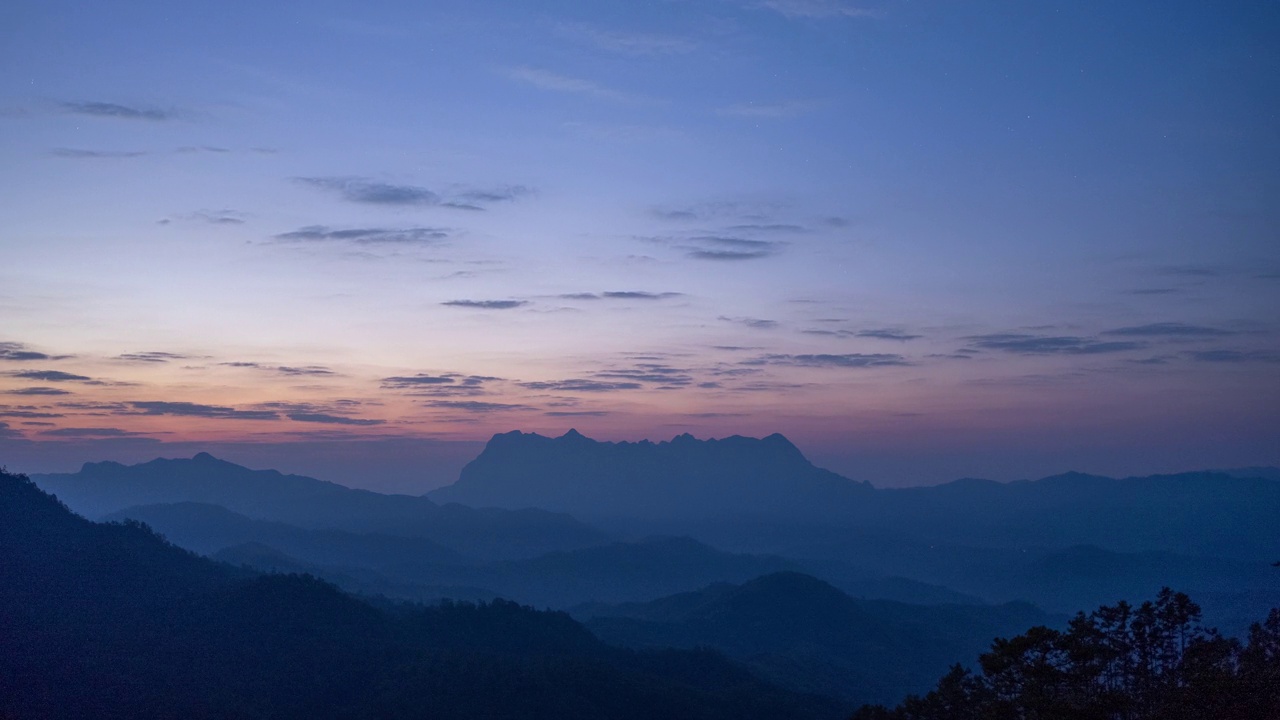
column 921, row 239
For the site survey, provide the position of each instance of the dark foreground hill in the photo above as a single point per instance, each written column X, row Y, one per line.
column 109, row 621
column 107, row 487
column 807, row 635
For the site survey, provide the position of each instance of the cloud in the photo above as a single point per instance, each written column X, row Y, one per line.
column 367, row 236
column 633, row 44
column 769, row 228
column 37, row 391
column 81, row 154
column 580, row 385
column 50, row 376
column 852, row 360
column 818, row 9
column 576, row 413
column 1168, row 329
column 1192, row 271
column 476, row 406
column 1024, row 344
column 153, row 356
column 411, row 381
column 638, row 295
column 505, row 193
column 305, row 370
column 751, row 322
column 18, row 352
column 886, row 334
column 114, row 110
column 217, row 217
column 315, row 370
column 445, row 385
column 187, row 409
column 1230, row 356
column 26, row 411
column 665, row 376
column 725, row 255
column 314, row 417
column 486, row 304
column 82, row 432
column 377, row 193
column 620, row 295
column 788, row 109
column 722, row 247
column 189, row 149
column 546, row 80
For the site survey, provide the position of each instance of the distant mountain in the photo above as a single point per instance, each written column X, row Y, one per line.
column 109, row 621
column 1267, row 473
column 702, row 483
column 682, row 478
column 107, row 487
column 803, row 633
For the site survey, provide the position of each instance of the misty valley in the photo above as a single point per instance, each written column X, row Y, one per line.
column 564, row 578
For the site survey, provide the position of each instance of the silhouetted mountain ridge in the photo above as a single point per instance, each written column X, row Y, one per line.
column 109, row 621
column 103, row 488
column 683, row 477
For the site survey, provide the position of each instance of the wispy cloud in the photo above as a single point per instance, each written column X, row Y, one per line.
column 633, row 44
column 476, row 406
column 82, row 154
column 378, row 193
column 188, row 409
column 818, row 9
column 20, row 353
column 573, row 385
column 91, row 432
column 1169, row 329
column 305, row 370
column 886, row 334
column 324, row 418
column 554, row 82
column 152, row 356
column 445, row 385
column 26, row 411
column 373, row 192
column 487, row 304
column 39, row 390
column 722, row 247
column 851, row 360
column 638, row 295
column 1231, row 356
column 754, row 323
column 1025, row 344
column 367, row 236
column 50, row 376
column 786, row 109
column 116, row 110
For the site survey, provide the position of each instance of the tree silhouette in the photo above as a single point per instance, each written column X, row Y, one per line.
column 1116, row 663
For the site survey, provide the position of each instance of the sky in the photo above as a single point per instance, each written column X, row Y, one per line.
column 922, row 239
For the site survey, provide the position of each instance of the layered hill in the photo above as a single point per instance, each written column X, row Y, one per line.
column 802, row 632
column 109, row 621
column 99, row 489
